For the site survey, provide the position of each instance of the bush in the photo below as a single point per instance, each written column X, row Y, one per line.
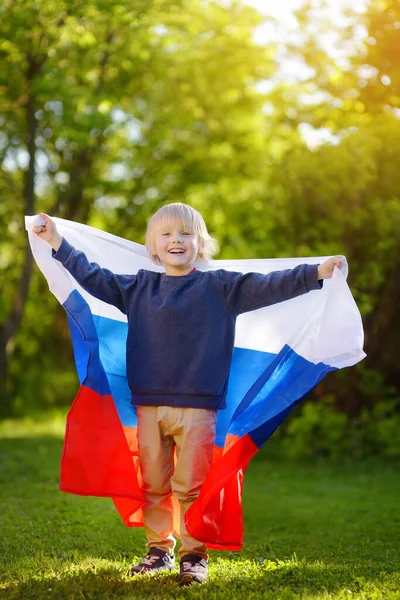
column 320, row 430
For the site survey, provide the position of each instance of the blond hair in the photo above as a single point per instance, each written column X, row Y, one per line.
column 188, row 218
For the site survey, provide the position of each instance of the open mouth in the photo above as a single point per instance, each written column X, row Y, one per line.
column 176, row 251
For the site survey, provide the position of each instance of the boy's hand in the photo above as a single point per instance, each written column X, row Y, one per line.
column 325, row 270
column 48, row 232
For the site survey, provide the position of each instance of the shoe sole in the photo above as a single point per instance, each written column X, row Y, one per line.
column 188, row 580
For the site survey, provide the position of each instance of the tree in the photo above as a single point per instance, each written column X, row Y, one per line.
column 110, row 109
column 344, row 194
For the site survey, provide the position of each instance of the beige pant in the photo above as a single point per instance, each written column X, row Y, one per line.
column 161, row 431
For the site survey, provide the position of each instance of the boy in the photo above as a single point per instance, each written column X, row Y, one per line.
column 181, row 327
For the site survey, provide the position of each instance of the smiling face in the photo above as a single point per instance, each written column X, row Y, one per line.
column 176, row 236
column 176, row 247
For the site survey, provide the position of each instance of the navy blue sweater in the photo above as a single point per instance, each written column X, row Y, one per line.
column 181, row 329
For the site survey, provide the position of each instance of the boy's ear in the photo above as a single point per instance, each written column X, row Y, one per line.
column 156, row 257
column 200, row 249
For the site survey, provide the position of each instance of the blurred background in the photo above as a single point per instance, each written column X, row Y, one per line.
column 279, row 121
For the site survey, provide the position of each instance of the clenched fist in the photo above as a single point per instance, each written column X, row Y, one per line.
column 48, row 232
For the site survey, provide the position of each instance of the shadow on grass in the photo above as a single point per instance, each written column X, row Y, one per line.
column 33, row 457
column 102, row 583
column 285, row 580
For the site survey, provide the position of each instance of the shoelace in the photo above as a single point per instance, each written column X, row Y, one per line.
column 150, row 559
column 191, row 566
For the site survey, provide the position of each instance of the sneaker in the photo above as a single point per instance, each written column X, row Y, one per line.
column 156, row 560
column 192, row 568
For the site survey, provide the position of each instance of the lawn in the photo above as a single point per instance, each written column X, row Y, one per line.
column 312, row 531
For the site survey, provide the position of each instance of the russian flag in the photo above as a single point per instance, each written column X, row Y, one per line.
column 281, row 352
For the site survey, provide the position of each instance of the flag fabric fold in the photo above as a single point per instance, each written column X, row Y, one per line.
column 281, row 352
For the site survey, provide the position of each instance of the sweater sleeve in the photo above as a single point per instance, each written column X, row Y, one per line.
column 250, row 291
column 100, row 283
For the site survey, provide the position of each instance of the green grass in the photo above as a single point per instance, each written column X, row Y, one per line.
column 312, row 531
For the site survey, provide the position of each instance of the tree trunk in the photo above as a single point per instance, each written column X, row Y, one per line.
column 9, row 328
column 4, row 398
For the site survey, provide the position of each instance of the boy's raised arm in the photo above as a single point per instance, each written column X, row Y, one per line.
column 250, row 291
column 101, row 283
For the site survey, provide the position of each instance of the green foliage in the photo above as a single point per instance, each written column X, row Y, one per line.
column 320, row 430
column 125, row 118
column 375, row 432
column 138, row 104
